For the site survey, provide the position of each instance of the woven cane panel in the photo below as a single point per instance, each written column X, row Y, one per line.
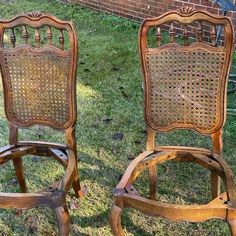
column 184, row 88
column 38, row 89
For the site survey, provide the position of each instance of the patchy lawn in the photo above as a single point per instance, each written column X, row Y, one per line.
column 110, row 104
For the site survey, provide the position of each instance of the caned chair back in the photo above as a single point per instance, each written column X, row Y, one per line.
column 186, row 80
column 39, row 70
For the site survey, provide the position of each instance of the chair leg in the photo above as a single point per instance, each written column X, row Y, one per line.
column 19, row 170
column 152, row 172
column 231, row 219
column 232, row 225
column 115, row 221
column 76, row 185
column 215, row 185
column 63, row 220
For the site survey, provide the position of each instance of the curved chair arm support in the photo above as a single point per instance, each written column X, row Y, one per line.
column 69, row 175
column 124, row 181
column 6, row 148
column 229, row 179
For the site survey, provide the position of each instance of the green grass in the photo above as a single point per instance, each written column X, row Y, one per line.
column 109, row 86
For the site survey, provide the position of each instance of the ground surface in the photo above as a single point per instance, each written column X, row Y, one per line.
column 110, row 104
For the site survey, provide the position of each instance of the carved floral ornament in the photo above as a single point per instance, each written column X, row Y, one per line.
column 186, row 10
column 35, row 14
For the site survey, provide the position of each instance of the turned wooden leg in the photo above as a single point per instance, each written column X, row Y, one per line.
column 152, row 172
column 215, row 185
column 63, row 220
column 19, row 170
column 115, row 221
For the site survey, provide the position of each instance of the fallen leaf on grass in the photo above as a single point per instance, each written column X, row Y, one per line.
column 107, row 121
column 131, row 157
column 137, row 142
column 18, row 212
column 117, row 136
column 35, row 158
column 13, row 181
column 124, row 94
column 115, row 68
column 73, row 204
column 31, row 224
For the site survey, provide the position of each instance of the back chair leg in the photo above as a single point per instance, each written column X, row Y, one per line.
column 152, row 172
column 63, row 222
column 115, row 221
column 215, row 185
column 19, row 170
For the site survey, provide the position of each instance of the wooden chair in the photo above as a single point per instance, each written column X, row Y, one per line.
column 185, row 88
column 39, row 83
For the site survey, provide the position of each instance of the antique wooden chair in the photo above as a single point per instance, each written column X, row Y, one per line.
column 185, row 88
column 39, row 84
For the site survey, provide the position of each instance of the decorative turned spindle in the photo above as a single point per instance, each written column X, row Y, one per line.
column 61, row 40
column 158, row 36
column 199, row 32
column 12, row 38
column 37, row 37
column 172, row 33
column 213, row 35
column 24, row 34
column 49, row 35
column 186, row 36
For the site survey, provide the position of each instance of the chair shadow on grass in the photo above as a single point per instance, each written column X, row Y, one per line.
column 96, row 222
column 100, row 219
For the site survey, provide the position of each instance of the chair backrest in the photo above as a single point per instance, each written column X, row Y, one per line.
column 185, row 82
column 39, row 70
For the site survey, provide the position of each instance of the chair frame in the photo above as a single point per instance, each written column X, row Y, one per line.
column 223, row 205
column 54, row 195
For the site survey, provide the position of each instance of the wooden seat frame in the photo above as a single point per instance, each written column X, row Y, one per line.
column 223, row 205
column 54, row 195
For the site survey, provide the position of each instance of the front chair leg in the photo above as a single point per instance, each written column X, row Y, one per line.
column 19, row 170
column 115, row 221
column 63, row 220
column 232, row 224
column 76, row 185
column 231, row 219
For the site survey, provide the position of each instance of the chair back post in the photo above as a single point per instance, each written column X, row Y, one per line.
column 71, row 139
column 13, row 134
column 150, row 140
column 217, row 143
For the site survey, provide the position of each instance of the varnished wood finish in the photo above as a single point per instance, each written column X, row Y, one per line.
column 35, row 105
column 223, row 205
